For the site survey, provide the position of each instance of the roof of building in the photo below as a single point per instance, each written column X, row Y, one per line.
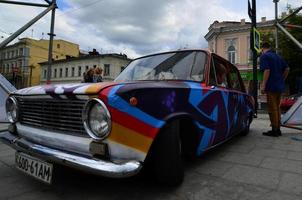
column 86, row 57
column 233, row 26
column 26, row 39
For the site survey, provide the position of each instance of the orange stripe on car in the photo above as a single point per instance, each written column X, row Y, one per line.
column 128, row 137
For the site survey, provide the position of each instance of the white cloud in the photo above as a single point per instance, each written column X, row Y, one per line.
column 134, row 27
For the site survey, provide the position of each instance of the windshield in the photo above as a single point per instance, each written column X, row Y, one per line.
column 185, row 65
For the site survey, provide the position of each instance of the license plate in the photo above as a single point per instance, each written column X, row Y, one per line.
column 34, row 167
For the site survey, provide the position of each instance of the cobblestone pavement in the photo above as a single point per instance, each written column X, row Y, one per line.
column 251, row 167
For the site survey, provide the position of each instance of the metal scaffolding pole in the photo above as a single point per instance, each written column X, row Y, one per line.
column 289, row 35
column 26, row 26
column 24, row 3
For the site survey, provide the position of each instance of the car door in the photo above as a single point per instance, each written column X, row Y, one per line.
column 240, row 115
column 224, row 101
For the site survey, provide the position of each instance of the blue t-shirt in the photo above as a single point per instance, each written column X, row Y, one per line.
column 272, row 61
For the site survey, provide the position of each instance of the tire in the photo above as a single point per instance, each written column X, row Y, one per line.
column 166, row 156
column 247, row 129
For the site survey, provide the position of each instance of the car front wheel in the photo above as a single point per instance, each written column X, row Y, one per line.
column 166, row 156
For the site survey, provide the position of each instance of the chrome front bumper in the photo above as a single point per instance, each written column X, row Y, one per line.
column 91, row 165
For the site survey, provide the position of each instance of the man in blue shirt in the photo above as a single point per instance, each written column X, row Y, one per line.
column 275, row 71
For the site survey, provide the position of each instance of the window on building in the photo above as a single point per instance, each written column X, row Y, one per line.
column 61, row 72
column 55, row 73
column 232, row 54
column 87, row 67
column 106, row 69
column 66, row 72
column 57, row 57
column 122, row 68
column 45, row 73
column 79, row 71
column 94, row 66
column 20, row 63
column 16, row 54
column 12, row 54
column 21, row 52
column 58, row 46
column 72, row 72
column 7, row 68
column 249, row 52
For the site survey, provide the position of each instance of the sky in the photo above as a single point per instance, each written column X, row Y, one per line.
column 133, row 27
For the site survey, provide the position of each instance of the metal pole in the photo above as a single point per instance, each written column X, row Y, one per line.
column 290, row 15
column 255, row 73
column 51, row 35
column 292, row 26
column 289, row 35
column 24, row 3
column 276, row 29
column 22, row 29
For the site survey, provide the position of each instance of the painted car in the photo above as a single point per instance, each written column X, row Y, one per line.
column 160, row 109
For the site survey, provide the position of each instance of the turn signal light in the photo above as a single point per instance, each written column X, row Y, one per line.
column 133, row 101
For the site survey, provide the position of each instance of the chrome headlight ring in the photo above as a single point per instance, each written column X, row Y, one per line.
column 12, row 110
column 96, row 119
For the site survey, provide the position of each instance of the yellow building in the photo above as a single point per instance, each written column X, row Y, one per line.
column 19, row 62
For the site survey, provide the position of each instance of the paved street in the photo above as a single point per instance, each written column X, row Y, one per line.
column 251, row 167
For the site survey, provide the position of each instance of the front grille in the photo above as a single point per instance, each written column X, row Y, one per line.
column 63, row 115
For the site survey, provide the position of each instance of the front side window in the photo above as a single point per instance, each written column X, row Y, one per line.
column 183, row 65
column 234, row 79
column 61, row 72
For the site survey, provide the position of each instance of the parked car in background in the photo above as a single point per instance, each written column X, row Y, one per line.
column 287, row 102
column 161, row 108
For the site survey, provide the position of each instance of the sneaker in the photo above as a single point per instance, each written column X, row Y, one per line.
column 270, row 133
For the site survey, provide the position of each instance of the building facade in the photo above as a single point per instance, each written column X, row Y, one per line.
column 71, row 70
column 19, row 62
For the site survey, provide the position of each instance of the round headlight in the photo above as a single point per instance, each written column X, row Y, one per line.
column 97, row 119
column 11, row 109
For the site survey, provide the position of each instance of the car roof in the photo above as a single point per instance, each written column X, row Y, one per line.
column 176, row 51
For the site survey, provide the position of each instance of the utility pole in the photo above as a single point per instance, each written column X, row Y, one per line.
column 254, row 43
column 51, row 35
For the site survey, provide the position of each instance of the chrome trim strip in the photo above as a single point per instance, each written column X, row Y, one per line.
column 55, row 140
column 91, row 165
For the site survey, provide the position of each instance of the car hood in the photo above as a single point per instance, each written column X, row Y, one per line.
column 66, row 89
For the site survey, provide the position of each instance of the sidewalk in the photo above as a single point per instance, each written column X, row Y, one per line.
column 253, row 167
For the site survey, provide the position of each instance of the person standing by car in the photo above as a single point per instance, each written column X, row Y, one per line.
column 88, row 76
column 97, row 76
column 275, row 71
